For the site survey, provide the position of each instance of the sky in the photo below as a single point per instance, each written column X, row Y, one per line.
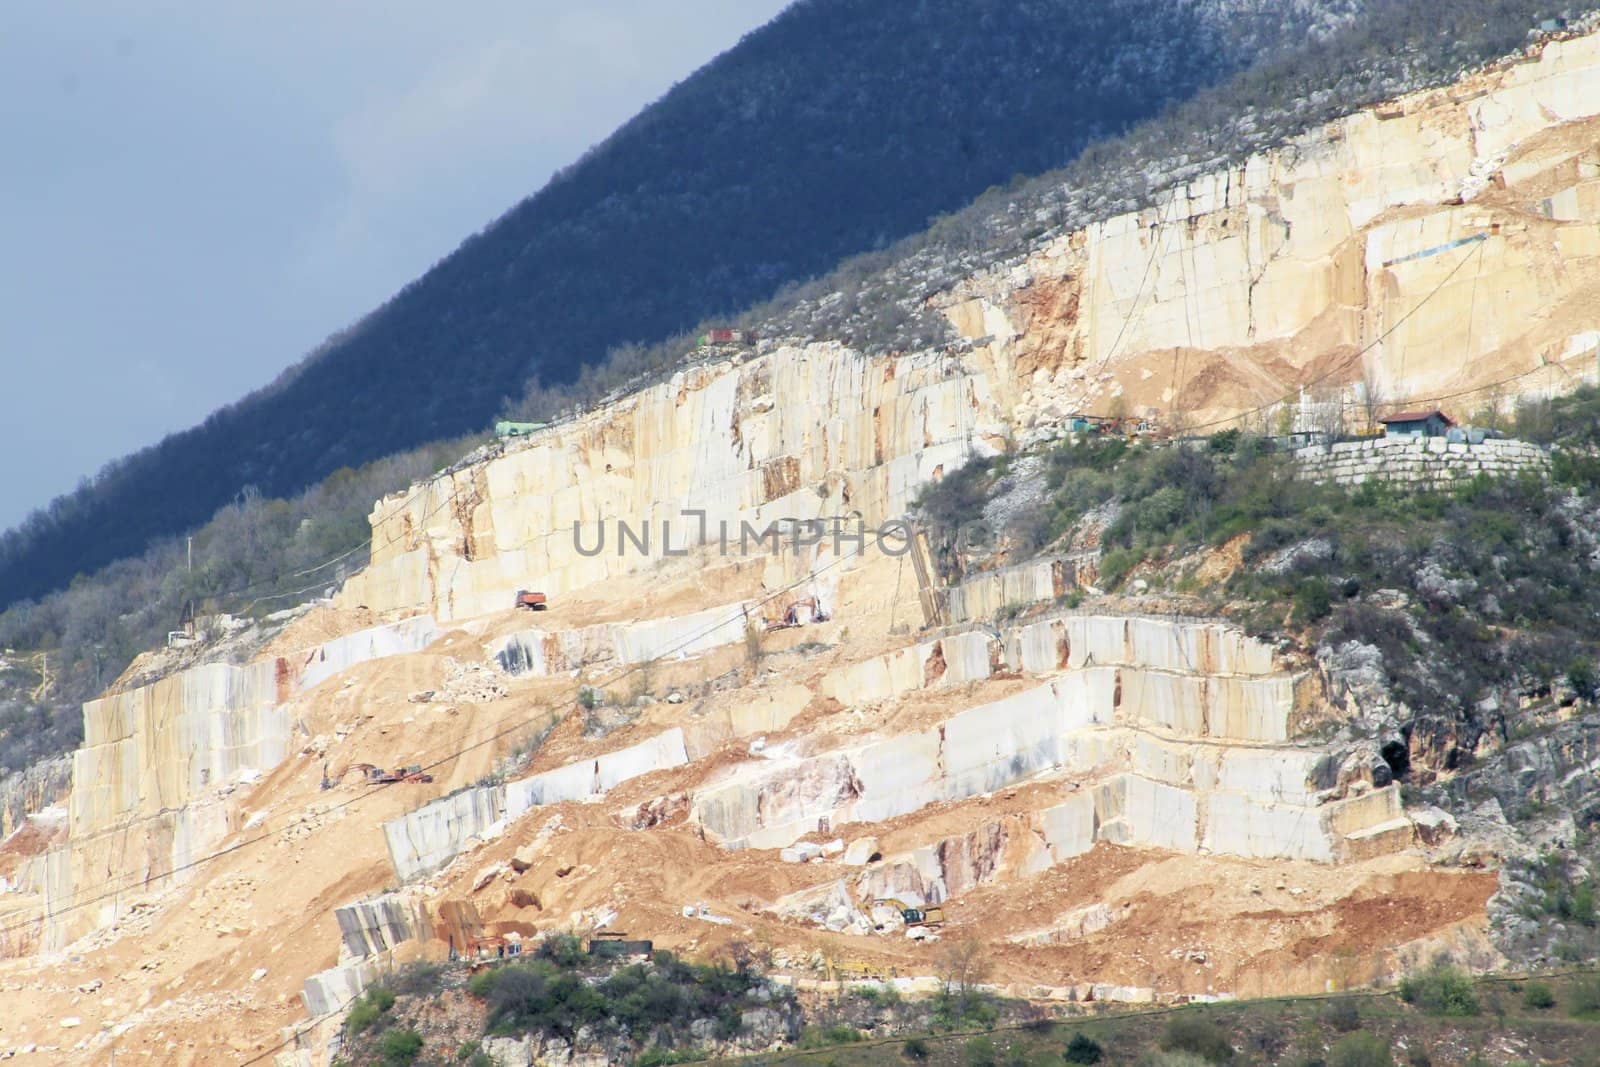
column 194, row 195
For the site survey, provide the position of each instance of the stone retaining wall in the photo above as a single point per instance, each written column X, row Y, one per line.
column 1423, row 462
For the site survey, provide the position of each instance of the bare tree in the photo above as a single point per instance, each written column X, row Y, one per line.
column 1119, row 410
column 754, row 647
column 1372, row 399
column 962, row 966
column 1284, row 418
column 1534, row 419
column 1327, row 412
column 1494, row 403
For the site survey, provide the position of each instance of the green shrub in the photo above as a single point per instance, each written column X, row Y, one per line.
column 1202, row 1037
column 1360, row 1049
column 419, row 979
column 1441, row 990
column 1343, row 1015
column 1583, row 910
column 1539, row 996
column 979, row 1052
column 1225, row 442
column 1083, row 1049
column 370, row 1008
column 915, row 1048
column 481, row 985
column 563, row 948
column 838, row 1034
column 1017, row 1056
column 1172, row 1059
column 1583, row 997
column 553, row 993
column 1312, row 600
column 657, row 1056
column 399, row 1048
column 959, row 496
column 1581, row 676
column 1115, row 565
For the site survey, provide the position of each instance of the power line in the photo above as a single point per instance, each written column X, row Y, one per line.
column 128, row 884
column 266, row 583
column 1155, row 253
column 1342, row 366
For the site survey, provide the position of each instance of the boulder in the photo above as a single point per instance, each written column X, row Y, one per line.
column 1434, row 825
column 762, row 1027
column 508, row 1051
column 487, row 875
column 860, row 851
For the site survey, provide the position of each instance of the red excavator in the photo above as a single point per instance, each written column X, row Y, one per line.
column 527, row 598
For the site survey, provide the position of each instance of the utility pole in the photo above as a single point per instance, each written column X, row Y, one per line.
column 191, row 554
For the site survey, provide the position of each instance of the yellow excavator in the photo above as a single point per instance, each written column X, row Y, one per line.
column 913, row 916
column 374, row 775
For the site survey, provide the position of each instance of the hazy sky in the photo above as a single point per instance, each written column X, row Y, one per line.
column 192, row 199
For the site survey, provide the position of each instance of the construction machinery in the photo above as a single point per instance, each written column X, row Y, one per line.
column 913, row 916
column 802, row 612
column 838, row 969
column 527, row 598
column 375, row 775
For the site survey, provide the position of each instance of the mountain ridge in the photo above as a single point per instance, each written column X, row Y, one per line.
column 741, row 179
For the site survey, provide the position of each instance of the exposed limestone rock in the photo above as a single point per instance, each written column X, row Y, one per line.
column 470, row 683
column 425, row 840
column 1258, row 274
column 328, row 991
column 1458, row 226
column 543, row 504
column 859, row 852
column 372, row 927
column 540, row 652
column 1128, row 726
column 986, row 595
column 156, row 760
column 38, row 786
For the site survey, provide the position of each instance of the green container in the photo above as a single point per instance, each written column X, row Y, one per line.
column 517, row 429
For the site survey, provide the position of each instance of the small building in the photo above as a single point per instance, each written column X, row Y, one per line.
column 1433, row 423
column 720, row 335
column 495, row 947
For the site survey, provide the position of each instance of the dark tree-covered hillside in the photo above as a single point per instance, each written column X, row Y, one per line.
column 838, row 128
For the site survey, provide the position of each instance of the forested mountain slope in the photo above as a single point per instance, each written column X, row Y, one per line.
column 839, row 127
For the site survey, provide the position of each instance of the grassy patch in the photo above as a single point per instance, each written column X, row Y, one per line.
column 1280, row 1031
